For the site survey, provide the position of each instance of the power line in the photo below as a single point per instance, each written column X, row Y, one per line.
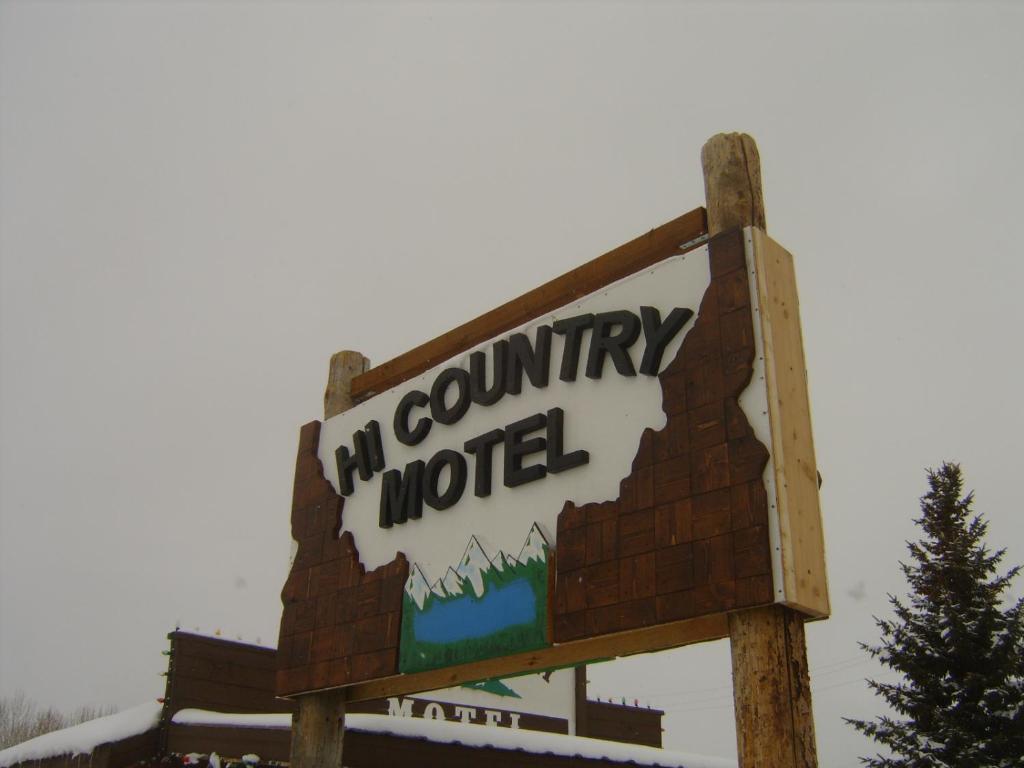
column 823, row 670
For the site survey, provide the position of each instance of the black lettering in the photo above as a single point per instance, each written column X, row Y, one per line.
column 603, row 341
column 346, row 466
column 532, row 359
column 558, row 459
column 438, row 395
column 572, row 328
column 482, row 448
column 456, row 479
column 657, row 335
column 362, row 454
column 401, row 495
column 373, row 449
column 401, row 420
column 478, row 391
column 516, row 448
column 367, row 457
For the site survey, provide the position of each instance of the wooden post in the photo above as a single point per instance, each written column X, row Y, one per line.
column 580, row 704
column 318, row 730
column 345, row 366
column 771, row 685
column 318, row 727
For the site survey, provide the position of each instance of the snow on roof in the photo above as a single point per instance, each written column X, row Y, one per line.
column 471, row 735
column 235, row 720
column 85, row 737
column 217, row 634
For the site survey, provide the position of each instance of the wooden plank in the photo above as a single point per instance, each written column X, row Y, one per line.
column 631, row 725
column 217, row 649
column 635, row 255
column 796, row 473
column 224, row 672
column 654, row 638
column 188, row 693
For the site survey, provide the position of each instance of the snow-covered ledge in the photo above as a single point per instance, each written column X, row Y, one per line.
column 85, row 737
column 441, row 732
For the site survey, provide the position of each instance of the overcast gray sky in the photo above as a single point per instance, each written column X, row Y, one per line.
column 200, row 202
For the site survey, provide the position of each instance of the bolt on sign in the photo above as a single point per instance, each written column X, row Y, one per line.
column 607, row 465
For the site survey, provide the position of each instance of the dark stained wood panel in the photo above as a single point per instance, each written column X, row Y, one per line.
column 687, row 536
column 618, row 722
column 221, row 675
column 339, row 622
column 224, row 649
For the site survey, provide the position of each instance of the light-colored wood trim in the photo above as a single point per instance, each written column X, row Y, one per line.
column 658, row 244
column 796, row 473
column 654, row 638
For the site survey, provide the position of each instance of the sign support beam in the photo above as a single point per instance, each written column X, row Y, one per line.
column 318, row 727
column 771, row 684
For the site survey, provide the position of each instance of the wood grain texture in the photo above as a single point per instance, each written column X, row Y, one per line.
column 771, row 689
column 635, row 255
column 219, row 675
column 732, row 182
column 343, row 368
column 617, row 722
column 796, row 472
column 318, row 730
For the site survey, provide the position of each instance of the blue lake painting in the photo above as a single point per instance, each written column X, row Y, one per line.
column 469, row 616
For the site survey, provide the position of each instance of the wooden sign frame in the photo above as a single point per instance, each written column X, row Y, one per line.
column 800, row 579
column 771, row 683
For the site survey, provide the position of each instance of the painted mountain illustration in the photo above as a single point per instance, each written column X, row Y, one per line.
column 483, row 606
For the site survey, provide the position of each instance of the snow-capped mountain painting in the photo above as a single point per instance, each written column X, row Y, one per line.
column 485, row 605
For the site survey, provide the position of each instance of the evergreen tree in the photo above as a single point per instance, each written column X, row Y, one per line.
column 960, row 654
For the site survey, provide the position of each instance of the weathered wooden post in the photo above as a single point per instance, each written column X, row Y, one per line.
column 318, row 727
column 771, row 685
